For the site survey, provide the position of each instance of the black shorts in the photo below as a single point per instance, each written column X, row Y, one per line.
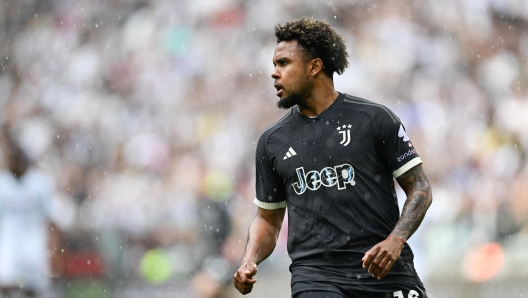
column 327, row 290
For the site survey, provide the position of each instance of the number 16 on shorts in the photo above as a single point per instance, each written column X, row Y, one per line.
column 412, row 294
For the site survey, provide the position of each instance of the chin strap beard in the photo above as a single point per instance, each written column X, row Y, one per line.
column 292, row 100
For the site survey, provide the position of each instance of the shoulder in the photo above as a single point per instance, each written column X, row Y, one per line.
column 5, row 175
column 5, row 178
column 375, row 110
column 275, row 128
column 39, row 179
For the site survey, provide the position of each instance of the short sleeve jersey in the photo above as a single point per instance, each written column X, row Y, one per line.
column 334, row 173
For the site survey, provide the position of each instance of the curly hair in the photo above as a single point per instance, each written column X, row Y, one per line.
column 317, row 39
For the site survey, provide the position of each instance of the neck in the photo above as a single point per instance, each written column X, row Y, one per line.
column 18, row 173
column 322, row 96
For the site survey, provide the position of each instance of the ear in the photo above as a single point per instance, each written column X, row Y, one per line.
column 316, row 65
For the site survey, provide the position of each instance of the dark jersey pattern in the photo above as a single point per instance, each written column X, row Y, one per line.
column 335, row 174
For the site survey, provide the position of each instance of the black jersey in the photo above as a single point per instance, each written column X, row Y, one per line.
column 334, row 173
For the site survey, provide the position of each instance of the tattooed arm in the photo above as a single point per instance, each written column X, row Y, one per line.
column 383, row 255
column 419, row 198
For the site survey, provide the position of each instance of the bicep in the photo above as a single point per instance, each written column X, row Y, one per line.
column 414, row 179
column 393, row 144
column 272, row 216
column 269, row 187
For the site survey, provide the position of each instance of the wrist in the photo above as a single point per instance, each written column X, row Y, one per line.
column 398, row 239
column 250, row 260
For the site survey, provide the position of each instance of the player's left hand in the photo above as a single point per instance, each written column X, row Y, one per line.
column 382, row 256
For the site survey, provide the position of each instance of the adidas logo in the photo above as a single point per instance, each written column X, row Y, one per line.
column 290, row 153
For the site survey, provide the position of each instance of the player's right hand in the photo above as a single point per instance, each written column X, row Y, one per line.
column 243, row 278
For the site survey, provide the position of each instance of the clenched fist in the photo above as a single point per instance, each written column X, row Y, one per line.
column 243, row 278
column 382, row 256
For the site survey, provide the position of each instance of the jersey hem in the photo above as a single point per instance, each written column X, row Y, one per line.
column 411, row 164
column 364, row 282
column 327, row 285
column 269, row 206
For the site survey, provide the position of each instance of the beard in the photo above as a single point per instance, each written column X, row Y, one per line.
column 298, row 97
column 291, row 100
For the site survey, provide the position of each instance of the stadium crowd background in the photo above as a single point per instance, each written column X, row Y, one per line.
column 146, row 115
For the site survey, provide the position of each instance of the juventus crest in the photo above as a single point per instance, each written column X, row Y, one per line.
column 345, row 131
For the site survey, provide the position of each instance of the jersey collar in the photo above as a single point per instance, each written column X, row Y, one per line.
column 325, row 114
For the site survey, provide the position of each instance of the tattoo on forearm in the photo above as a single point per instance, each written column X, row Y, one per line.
column 419, row 198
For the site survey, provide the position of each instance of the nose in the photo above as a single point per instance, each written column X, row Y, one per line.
column 275, row 74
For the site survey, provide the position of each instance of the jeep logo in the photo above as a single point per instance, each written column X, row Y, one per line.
column 329, row 176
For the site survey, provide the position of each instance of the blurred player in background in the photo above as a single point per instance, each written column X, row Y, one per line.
column 25, row 198
column 332, row 160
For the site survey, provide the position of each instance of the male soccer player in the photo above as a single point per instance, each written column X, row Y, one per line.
column 25, row 197
column 331, row 160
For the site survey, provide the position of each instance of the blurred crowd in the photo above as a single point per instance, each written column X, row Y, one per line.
column 146, row 115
